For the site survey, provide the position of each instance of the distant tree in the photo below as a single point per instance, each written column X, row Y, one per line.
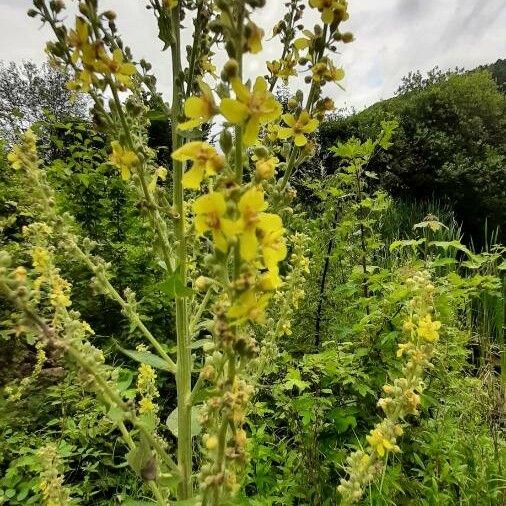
column 450, row 144
column 416, row 80
column 30, row 93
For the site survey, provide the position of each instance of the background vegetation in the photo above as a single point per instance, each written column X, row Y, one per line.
column 443, row 172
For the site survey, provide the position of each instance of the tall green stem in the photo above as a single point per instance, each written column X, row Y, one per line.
column 183, row 373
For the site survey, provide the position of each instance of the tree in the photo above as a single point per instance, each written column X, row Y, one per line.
column 30, row 93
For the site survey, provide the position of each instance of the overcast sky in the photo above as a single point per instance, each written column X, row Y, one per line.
column 393, row 37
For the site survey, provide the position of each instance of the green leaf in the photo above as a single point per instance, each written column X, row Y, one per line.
column 172, row 423
column 173, row 287
column 407, row 243
column 146, row 357
column 135, row 502
column 125, row 378
column 205, row 344
column 293, row 379
column 116, row 414
column 139, row 456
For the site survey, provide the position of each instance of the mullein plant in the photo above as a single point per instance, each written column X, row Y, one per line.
column 220, row 234
column 402, row 398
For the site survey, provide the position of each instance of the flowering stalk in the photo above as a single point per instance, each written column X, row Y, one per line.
column 244, row 241
column 403, row 397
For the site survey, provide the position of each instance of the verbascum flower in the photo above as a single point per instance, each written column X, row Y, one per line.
column 298, row 127
column 25, row 153
column 200, row 109
column 121, row 70
column 254, row 38
column 78, row 39
column 252, row 219
column 428, row 329
column 124, row 159
column 146, row 405
column 331, row 10
column 206, row 162
column 249, row 306
column 272, row 242
column 251, row 108
column 326, row 71
column 210, row 210
column 266, row 167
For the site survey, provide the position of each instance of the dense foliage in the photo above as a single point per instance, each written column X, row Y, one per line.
column 449, row 146
column 166, row 339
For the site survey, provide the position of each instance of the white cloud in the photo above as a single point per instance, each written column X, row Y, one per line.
column 393, row 37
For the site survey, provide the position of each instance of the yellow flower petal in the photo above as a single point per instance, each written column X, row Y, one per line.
column 193, row 177
column 188, row 151
column 234, row 111
column 195, row 107
column 289, row 119
column 212, row 202
column 248, row 245
column 300, row 140
column 242, row 92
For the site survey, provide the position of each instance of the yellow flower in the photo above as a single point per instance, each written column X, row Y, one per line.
column 304, row 124
column 22, row 154
column 329, row 8
column 326, row 71
column 252, row 108
column 273, row 132
column 265, row 167
column 60, row 292
column 250, row 205
column 306, row 42
column 210, row 210
column 249, row 306
column 254, row 38
column 272, row 242
column 206, row 162
column 40, row 259
column 79, row 39
column 428, row 329
column 270, row 280
column 379, row 442
column 146, row 406
column 199, row 109
column 84, row 79
column 274, row 67
column 123, row 159
column 16, row 157
column 207, row 66
column 122, row 71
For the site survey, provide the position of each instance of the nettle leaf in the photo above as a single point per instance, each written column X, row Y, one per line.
column 145, row 357
column 293, row 379
column 172, row 424
column 413, row 243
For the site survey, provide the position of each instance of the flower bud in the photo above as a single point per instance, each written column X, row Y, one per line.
column 226, row 141
column 347, row 37
column 230, row 69
column 202, row 283
column 110, row 15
